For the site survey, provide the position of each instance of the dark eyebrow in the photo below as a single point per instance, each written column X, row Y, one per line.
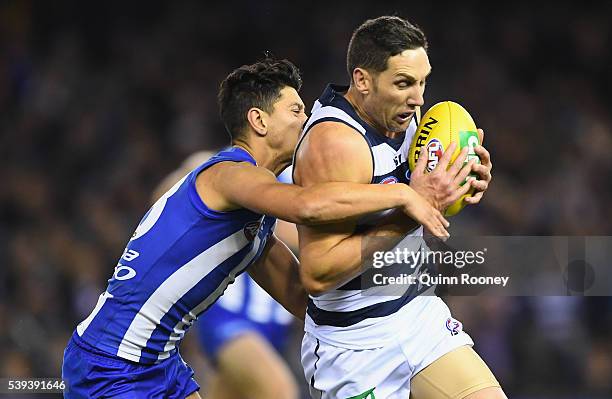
column 410, row 77
column 406, row 76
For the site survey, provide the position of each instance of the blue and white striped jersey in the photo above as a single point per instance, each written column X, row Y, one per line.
column 178, row 262
column 355, row 314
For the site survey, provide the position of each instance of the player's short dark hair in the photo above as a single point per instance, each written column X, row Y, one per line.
column 378, row 39
column 256, row 85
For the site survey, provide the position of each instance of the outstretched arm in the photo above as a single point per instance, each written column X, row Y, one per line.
column 228, row 186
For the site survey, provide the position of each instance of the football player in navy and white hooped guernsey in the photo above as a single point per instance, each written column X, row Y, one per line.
column 208, row 228
column 364, row 341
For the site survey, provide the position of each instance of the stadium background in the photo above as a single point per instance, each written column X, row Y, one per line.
column 100, row 102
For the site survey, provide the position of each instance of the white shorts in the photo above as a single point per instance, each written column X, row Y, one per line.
column 333, row 372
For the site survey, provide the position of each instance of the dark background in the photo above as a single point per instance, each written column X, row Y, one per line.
column 99, row 102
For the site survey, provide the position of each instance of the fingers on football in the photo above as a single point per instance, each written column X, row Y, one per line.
column 462, row 190
column 458, row 163
column 421, row 162
column 480, row 135
column 483, row 171
column 479, row 185
column 475, row 199
column 446, row 157
column 464, row 172
column 483, row 154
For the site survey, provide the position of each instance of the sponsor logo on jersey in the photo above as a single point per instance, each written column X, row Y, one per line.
column 434, row 153
column 251, row 229
column 389, row 180
column 454, row 326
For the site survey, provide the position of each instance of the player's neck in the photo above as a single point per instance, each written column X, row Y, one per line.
column 355, row 99
column 265, row 157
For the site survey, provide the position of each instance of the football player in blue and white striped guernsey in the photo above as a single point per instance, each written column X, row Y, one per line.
column 365, row 340
column 245, row 332
column 209, row 227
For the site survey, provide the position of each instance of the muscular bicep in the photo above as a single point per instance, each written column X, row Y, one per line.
column 333, row 152
column 330, row 152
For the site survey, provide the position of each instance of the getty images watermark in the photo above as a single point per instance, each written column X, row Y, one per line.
column 413, row 259
column 487, row 265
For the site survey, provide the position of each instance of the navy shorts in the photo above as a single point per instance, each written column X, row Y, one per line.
column 89, row 373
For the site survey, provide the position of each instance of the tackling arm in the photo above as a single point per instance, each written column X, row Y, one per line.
column 242, row 185
column 276, row 271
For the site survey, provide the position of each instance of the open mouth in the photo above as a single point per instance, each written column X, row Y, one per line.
column 404, row 117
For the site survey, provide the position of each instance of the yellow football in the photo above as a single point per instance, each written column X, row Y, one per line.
column 442, row 124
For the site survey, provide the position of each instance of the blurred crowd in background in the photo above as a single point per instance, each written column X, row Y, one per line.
column 98, row 103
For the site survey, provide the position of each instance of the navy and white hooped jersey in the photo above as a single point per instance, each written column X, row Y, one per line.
column 178, row 262
column 356, row 313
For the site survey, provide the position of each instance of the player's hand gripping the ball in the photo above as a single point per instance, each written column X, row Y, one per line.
column 483, row 170
column 442, row 187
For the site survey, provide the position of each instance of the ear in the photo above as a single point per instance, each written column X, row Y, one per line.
column 257, row 120
column 362, row 80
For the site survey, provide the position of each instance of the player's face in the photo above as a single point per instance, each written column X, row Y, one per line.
column 398, row 90
column 286, row 121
